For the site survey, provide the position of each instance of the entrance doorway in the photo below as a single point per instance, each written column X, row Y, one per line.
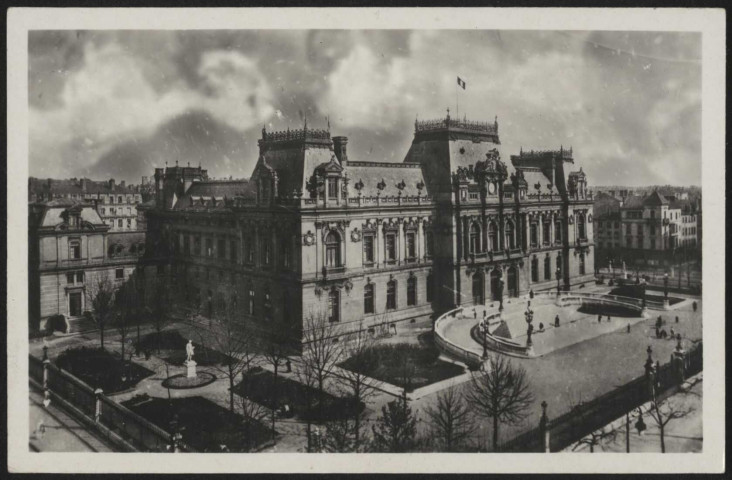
column 75, row 304
column 478, row 289
column 512, row 282
column 495, row 278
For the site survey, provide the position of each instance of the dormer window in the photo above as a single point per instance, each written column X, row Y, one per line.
column 333, row 188
column 75, row 249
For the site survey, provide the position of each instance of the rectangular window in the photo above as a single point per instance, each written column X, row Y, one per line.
column 390, row 247
column 79, row 277
column 430, row 287
column 368, row 249
column 391, row 295
column 368, row 298
column 412, row 291
column 209, row 247
column 250, row 302
column 221, row 248
column 187, row 244
column 75, row 249
column 161, row 269
column 249, row 245
column 70, row 278
column 266, row 252
column 129, row 223
column 119, row 223
column 546, row 232
column 411, row 247
column 286, row 253
column 119, row 274
column 534, row 231
column 428, row 244
column 333, row 188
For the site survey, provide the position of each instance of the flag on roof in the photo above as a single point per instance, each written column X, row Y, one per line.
column 461, row 83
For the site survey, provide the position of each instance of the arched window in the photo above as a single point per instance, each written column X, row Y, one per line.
column 477, row 285
column 474, row 238
column 428, row 244
column 510, row 235
column 534, row 269
column 334, row 305
column 391, row 289
column 559, row 264
column 412, row 291
column 547, row 268
column 250, row 300
column 493, row 236
column 332, row 250
column 267, row 305
column 653, row 214
column 368, row 298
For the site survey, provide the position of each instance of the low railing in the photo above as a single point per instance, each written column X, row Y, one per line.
column 118, row 424
column 471, row 359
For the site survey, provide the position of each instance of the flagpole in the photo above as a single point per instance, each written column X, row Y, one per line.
column 457, row 104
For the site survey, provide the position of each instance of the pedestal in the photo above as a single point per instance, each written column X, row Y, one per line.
column 666, row 304
column 191, row 364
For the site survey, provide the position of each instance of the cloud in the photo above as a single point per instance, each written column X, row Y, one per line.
column 628, row 102
column 110, row 100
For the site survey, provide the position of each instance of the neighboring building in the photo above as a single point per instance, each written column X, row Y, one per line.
column 116, row 204
column 645, row 230
column 360, row 241
column 70, row 247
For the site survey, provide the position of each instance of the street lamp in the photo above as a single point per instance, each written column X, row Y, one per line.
column 559, row 277
column 529, row 314
column 665, row 286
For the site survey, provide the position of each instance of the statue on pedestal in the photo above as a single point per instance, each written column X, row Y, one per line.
column 189, row 351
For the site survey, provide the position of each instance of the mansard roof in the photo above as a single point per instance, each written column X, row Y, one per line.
column 53, row 212
column 633, row 202
column 216, row 194
column 385, row 179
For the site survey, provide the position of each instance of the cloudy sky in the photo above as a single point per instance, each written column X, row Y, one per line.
column 119, row 103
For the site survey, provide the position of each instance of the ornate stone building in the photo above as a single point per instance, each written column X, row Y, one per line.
column 314, row 231
column 70, row 248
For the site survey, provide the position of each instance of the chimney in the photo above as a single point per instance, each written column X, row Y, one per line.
column 83, row 185
column 122, row 184
column 339, row 146
column 111, row 184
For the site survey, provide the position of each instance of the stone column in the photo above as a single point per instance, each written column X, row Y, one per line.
column 378, row 241
column 420, row 239
column 401, row 247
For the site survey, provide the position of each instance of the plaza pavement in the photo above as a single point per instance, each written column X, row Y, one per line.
column 563, row 378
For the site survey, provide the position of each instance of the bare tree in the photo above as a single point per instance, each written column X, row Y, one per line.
column 665, row 411
column 321, row 351
column 235, row 340
column 161, row 305
column 127, row 308
column 253, row 414
column 101, row 293
column 395, row 430
column 451, row 421
column 276, row 350
column 599, row 437
column 307, row 377
column 501, row 393
column 359, row 387
column 339, row 436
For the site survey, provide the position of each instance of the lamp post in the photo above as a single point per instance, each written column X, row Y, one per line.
column 529, row 315
column 559, row 277
column 500, row 293
column 665, row 286
column 485, row 339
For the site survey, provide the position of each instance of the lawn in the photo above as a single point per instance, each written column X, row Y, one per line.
column 405, row 365
column 174, row 345
column 257, row 386
column 100, row 368
column 205, row 426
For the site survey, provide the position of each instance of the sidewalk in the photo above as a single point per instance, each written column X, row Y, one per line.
column 61, row 432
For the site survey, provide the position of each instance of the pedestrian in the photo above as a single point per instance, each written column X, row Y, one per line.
column 677, row 319
column 475, row 314
column 599, row 319
column 556, row 321
column 288, row 365
column 673, row 334
column 628, row 330
column 541, row 327
column 608, row 318
column 693, row 305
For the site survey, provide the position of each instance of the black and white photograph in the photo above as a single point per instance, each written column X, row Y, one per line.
column 411, row 232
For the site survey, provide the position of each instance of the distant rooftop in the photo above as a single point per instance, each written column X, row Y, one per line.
column 449, row 123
